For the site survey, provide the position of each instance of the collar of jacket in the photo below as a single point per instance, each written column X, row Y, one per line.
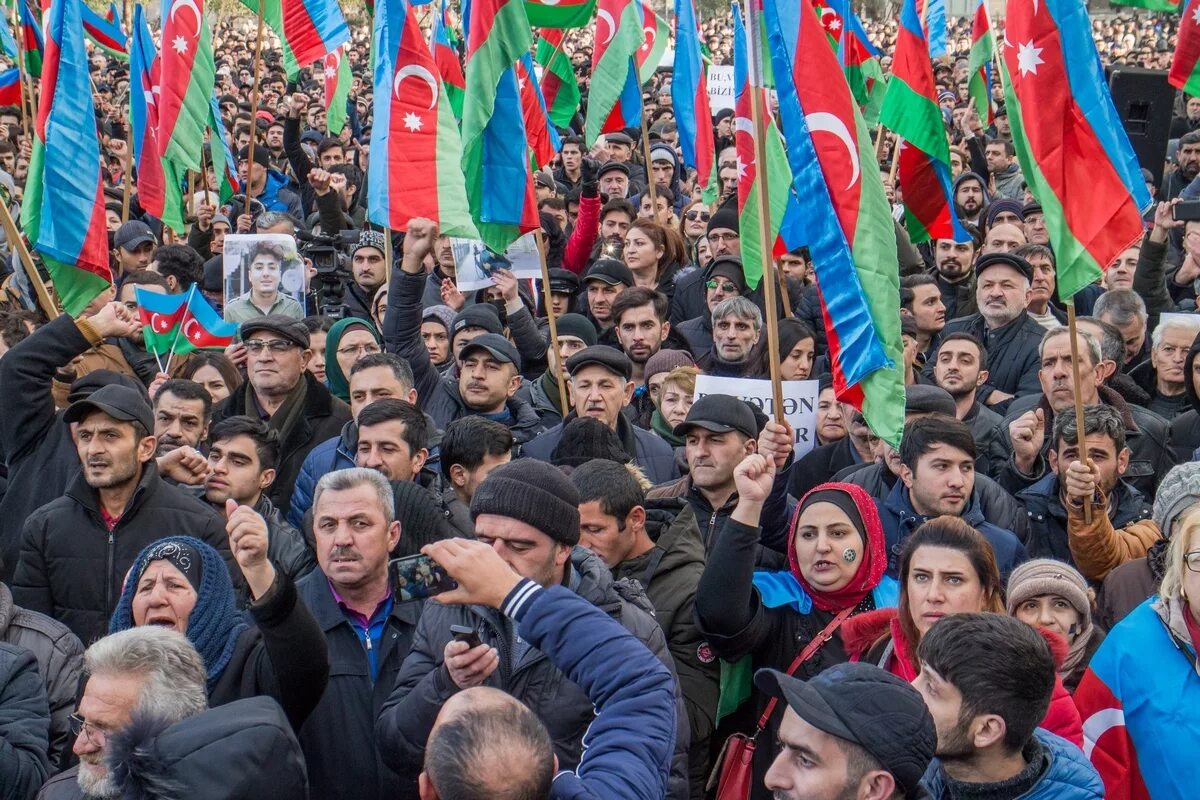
column 317, row 403
column 1109, row 397
column 899, row 502
column 314, row 587
column 89, row 498
column 347, row 445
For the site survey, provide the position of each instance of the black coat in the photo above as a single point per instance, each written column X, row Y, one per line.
column 1012, row 353
column 1185, row 428
column 72, row 567
column 285, row 545
column 24, row 724
column 650, row 452
column 1048, row 518
column 339, row 738
column 820, row 464
column 324, row 416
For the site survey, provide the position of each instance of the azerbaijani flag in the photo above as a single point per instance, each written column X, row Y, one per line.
column 223, row 164
column 560, row 89
column 1185, row 66
column 650, row 54
column 849, row 228
column 910, row 110
column 445, row 54
column 8, row 45
column 63, row 209
column 615, row 94
column 858, row 57
column 106, row 33
column 32, row 41
column 559, row 13
column 495, row 160
column 201, row 328
column 336, row 70
column 143, row 119
column 161, row 316
column 1072, row 146
column 1153, row 5
column 185, row 81
column 10, row 87
column 544, row 142
column 983, row 50
column 307, row 29
column 415, row 170
column 932, row 15
column 689, row 98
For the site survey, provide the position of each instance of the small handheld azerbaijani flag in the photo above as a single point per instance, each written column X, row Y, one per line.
column 161, row 316
column 689, row 98
column 202, row 328
column 850, row 232
column 1068, row 135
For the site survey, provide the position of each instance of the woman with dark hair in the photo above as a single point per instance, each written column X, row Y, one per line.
column 182, row 583
column 693, row 226
column 214, row 371
column 655, row 255
column 797, row 350
column 792, row 619
column 946, row 567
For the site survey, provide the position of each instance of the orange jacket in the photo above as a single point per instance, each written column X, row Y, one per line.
column 1097, row 548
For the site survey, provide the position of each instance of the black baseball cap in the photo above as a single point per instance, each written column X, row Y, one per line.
column 480, row 315
column 563, row 281
column 291, row 329
column 119, row 402
column 866, row 706
column 497, row 346
column 610, row 271
column 1004, row 259
column 133, row 234
column 602, row 355
column 720, row 413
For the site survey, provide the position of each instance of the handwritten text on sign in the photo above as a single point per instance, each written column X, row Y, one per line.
column 799, row 402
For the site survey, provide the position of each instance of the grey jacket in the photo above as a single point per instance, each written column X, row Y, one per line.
column 59, row 657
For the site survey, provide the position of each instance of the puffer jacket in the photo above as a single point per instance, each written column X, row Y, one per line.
column 1101, row 547
column 1067, row 774
column 424, row 684
column 60, row 662
column 1054, row 535
column 332, row 454
column 24, row 724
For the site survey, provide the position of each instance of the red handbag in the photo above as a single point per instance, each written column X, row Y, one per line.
column 735, row 772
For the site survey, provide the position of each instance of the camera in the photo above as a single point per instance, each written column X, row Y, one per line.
column 330, row 256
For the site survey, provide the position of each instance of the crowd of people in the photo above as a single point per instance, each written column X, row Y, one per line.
column 399, row 542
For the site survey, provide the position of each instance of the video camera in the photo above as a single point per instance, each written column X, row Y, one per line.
column 330, row 255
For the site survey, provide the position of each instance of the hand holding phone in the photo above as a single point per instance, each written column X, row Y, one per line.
column 419, row 577
column 468, row 635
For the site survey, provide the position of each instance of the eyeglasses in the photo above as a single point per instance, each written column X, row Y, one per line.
column 93, row 733
column 723, row 237
column 275, row 345
column 1192, row 560
column 703, row 216
column 370, row 348
column 726, row 286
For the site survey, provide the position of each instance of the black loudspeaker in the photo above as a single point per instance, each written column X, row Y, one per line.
column 1144, row 101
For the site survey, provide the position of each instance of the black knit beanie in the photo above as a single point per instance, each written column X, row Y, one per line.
column 534, row 493
column 584, row 439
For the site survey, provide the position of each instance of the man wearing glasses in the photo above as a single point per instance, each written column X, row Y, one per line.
column 723, row 279
column 281, row 392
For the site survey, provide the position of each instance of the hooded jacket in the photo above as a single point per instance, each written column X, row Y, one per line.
column 339, row 383
column 424, row 683
column 1050, row 525
column 987, row 197
column 1185, row 428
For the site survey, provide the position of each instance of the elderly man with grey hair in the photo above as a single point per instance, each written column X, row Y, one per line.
column 737, row 327
column 368, row 627
column 1166, row 374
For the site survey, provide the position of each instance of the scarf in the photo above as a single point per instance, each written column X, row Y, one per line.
column 286, row 417
column 860, row 508
column 659, row 425
column 339, row 383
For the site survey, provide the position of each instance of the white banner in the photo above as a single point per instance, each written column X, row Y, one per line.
column 799, row 402
column 720, row 87
column 474, row 262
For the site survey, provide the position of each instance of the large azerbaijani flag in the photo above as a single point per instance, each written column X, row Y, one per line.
column 560, row 89
column 106, row 33
column 544, row 141
column 983, row 51
column 33, row 43
column 416, row 170
column 307, row 29
column 1185, row 66
column 444, row 45
column 650, row 54
column 10, row 87
column 223, row 164
column 185, row 81
column 495, row 159
column 63, row 208
column 615, row 93
column 689, row 98
column 910, row 110
column 858, row 57
column 157, row 194
column 559, row 13
column 335, row 69
column 849, row 228
column 1068, row 135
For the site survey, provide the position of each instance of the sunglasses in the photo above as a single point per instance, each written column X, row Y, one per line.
column 703, row 216
column 725, row 286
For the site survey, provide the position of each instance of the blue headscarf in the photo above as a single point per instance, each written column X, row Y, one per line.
column 214, row 624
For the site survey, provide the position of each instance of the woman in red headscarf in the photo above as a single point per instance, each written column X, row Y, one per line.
column 790, row 620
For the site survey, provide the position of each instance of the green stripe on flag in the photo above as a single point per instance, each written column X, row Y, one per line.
column 566, row 100
column 335, row 118
column 559, row 14
column 1152, row 5
column 187, row 138
column 980, row 93
column 159, row 344
column 915, row 118
column 612, row 71
column 454, row 213
column 778, row 177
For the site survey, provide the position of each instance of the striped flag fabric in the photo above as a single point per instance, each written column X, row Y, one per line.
column 689, row 99
column 307, row 29
column 8, row 45
column 615, row 94
column 223, row 164
column 10, row 87
column 559, row 13
column 32, row 42
column 161, row 316
column 560, row 89
column 544, row 141
column 1185, row 65
column 444, row 44
column 848, row 224
column 858, row 57
column 201, row 327
column 495, row 159
column 186, row 80
column 1152, row 5
column 414, row 171
column 979, row 70
column 335, row 69
column 143, row 118
column 910, row 110
column 1068, row 135
column 932, row 14
column 63, row 208
column 107, row 34
column 650, row 54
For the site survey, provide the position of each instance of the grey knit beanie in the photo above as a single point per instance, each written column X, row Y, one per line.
column 440, row 313
column 1179, row 491
column 534, row 493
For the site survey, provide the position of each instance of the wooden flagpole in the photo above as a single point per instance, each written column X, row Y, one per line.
column 1087, row 505
column 649, row 170
column 26, row 90
column 258, row 43
column 19, row 247
column 549, row 302
column 758, row 114
column 128, row 188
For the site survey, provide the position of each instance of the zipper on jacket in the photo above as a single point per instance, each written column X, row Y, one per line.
column 108, row 574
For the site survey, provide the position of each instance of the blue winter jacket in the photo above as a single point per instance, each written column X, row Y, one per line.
column 329, row 455
column 900, row 519
column 1069, row 777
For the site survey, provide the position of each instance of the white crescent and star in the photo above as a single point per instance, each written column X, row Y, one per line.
column 416, row 70
column 186, row 4
column 823, row 121
column 612, row 24
column 189, row 335
column 1028, row 58
column 157, row 323
column 650, row 34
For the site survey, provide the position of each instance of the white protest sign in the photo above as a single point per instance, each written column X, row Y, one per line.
column 474, row 262
column 799, row 402
column 720, row 87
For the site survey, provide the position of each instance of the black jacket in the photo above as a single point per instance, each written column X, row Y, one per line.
column 820, row 464
column 958, row 298
column 1185, row 428
column 1048, row 518
column 339, row 738
column 698, row 334
column 1012, row 352
column 72, row 567
column 986, row 428
column 285, row 545
column 650, row 452
column 323, row 418
column 424, row 683
column 37, row 444
column 24, row 724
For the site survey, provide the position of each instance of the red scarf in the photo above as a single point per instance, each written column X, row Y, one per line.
column 870, row 569
column 1193, row 627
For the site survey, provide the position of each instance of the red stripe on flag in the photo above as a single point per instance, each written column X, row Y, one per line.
column 412, row 134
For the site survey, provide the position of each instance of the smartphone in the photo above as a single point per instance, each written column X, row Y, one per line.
column 1186, row 211
column 418, row 577
column 464, row 634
